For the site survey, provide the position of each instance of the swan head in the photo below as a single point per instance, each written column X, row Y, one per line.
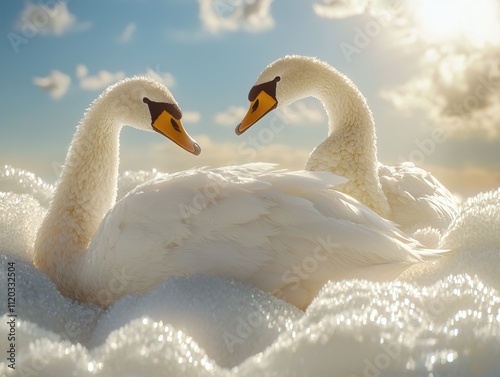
column 279, row 85
column 147, row 105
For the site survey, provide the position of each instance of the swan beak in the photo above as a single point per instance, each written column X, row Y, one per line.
column 172, row 128
column 259, row 107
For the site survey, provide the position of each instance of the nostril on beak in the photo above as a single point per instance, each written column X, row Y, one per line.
column 255, row 105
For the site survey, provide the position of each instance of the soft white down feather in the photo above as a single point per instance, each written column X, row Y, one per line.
column 408, row 195
column 284, row 232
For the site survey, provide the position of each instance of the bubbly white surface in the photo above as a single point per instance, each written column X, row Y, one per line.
column 440, row 319
column 20, row 181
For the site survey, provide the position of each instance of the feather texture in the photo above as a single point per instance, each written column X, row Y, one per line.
column 280, row 231
column 405, row 194
column 284, row 232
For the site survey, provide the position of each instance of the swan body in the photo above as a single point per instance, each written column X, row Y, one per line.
column 410, row 196
column 284, row 232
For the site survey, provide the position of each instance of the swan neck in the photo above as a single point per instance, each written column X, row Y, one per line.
column 86, row 190
column 350, row 149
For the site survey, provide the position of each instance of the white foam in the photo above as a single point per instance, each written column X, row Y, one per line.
column 478, row 224
column 20, row 217
column 39, row 302
column 440, row 319
column 20, row 181
column 364, row 329
column 231, row 321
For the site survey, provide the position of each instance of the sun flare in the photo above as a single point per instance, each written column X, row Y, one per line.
column 471, row 20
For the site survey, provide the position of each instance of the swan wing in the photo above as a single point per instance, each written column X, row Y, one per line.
column 417, row 199
column 281, row 231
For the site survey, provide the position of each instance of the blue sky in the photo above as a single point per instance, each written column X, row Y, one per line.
column 210, row 52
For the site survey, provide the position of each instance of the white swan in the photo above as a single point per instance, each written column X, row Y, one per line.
column 284, row 232
column 405, row 194
column 86, row 189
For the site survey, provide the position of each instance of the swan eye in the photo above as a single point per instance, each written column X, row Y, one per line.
column 255, row 105
column 175, row 124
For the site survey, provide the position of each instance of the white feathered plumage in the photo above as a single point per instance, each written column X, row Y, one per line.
column 408, row 195
column 284, row 232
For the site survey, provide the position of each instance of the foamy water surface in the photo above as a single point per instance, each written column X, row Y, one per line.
column 440, row 319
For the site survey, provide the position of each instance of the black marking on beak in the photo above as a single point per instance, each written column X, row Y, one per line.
column 255, row 106
column 175, row 125
column 156, row 108
column 269, row 87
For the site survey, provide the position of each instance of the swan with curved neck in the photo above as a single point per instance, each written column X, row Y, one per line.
column 408, row 195
column 87, row 188
column 185, row 223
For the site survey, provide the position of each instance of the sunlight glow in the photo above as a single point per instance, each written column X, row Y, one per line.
column 471, row 20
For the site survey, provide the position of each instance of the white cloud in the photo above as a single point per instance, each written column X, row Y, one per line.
column 166, row 78
column 457, row 84
column 127, row 33
column 467, row 180
column 381, row 10
column 168, row 157
column 458, row 91
column 101, row 80
column 190, row 117
column 46, row 20
column 432, row 22
column 340, row 8
column 81, row 71
column 231, row 15
column 56, row 83
column 302, row 113
column 231, row 117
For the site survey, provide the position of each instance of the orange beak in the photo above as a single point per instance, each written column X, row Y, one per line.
column 263, row 104
column 172, row 128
